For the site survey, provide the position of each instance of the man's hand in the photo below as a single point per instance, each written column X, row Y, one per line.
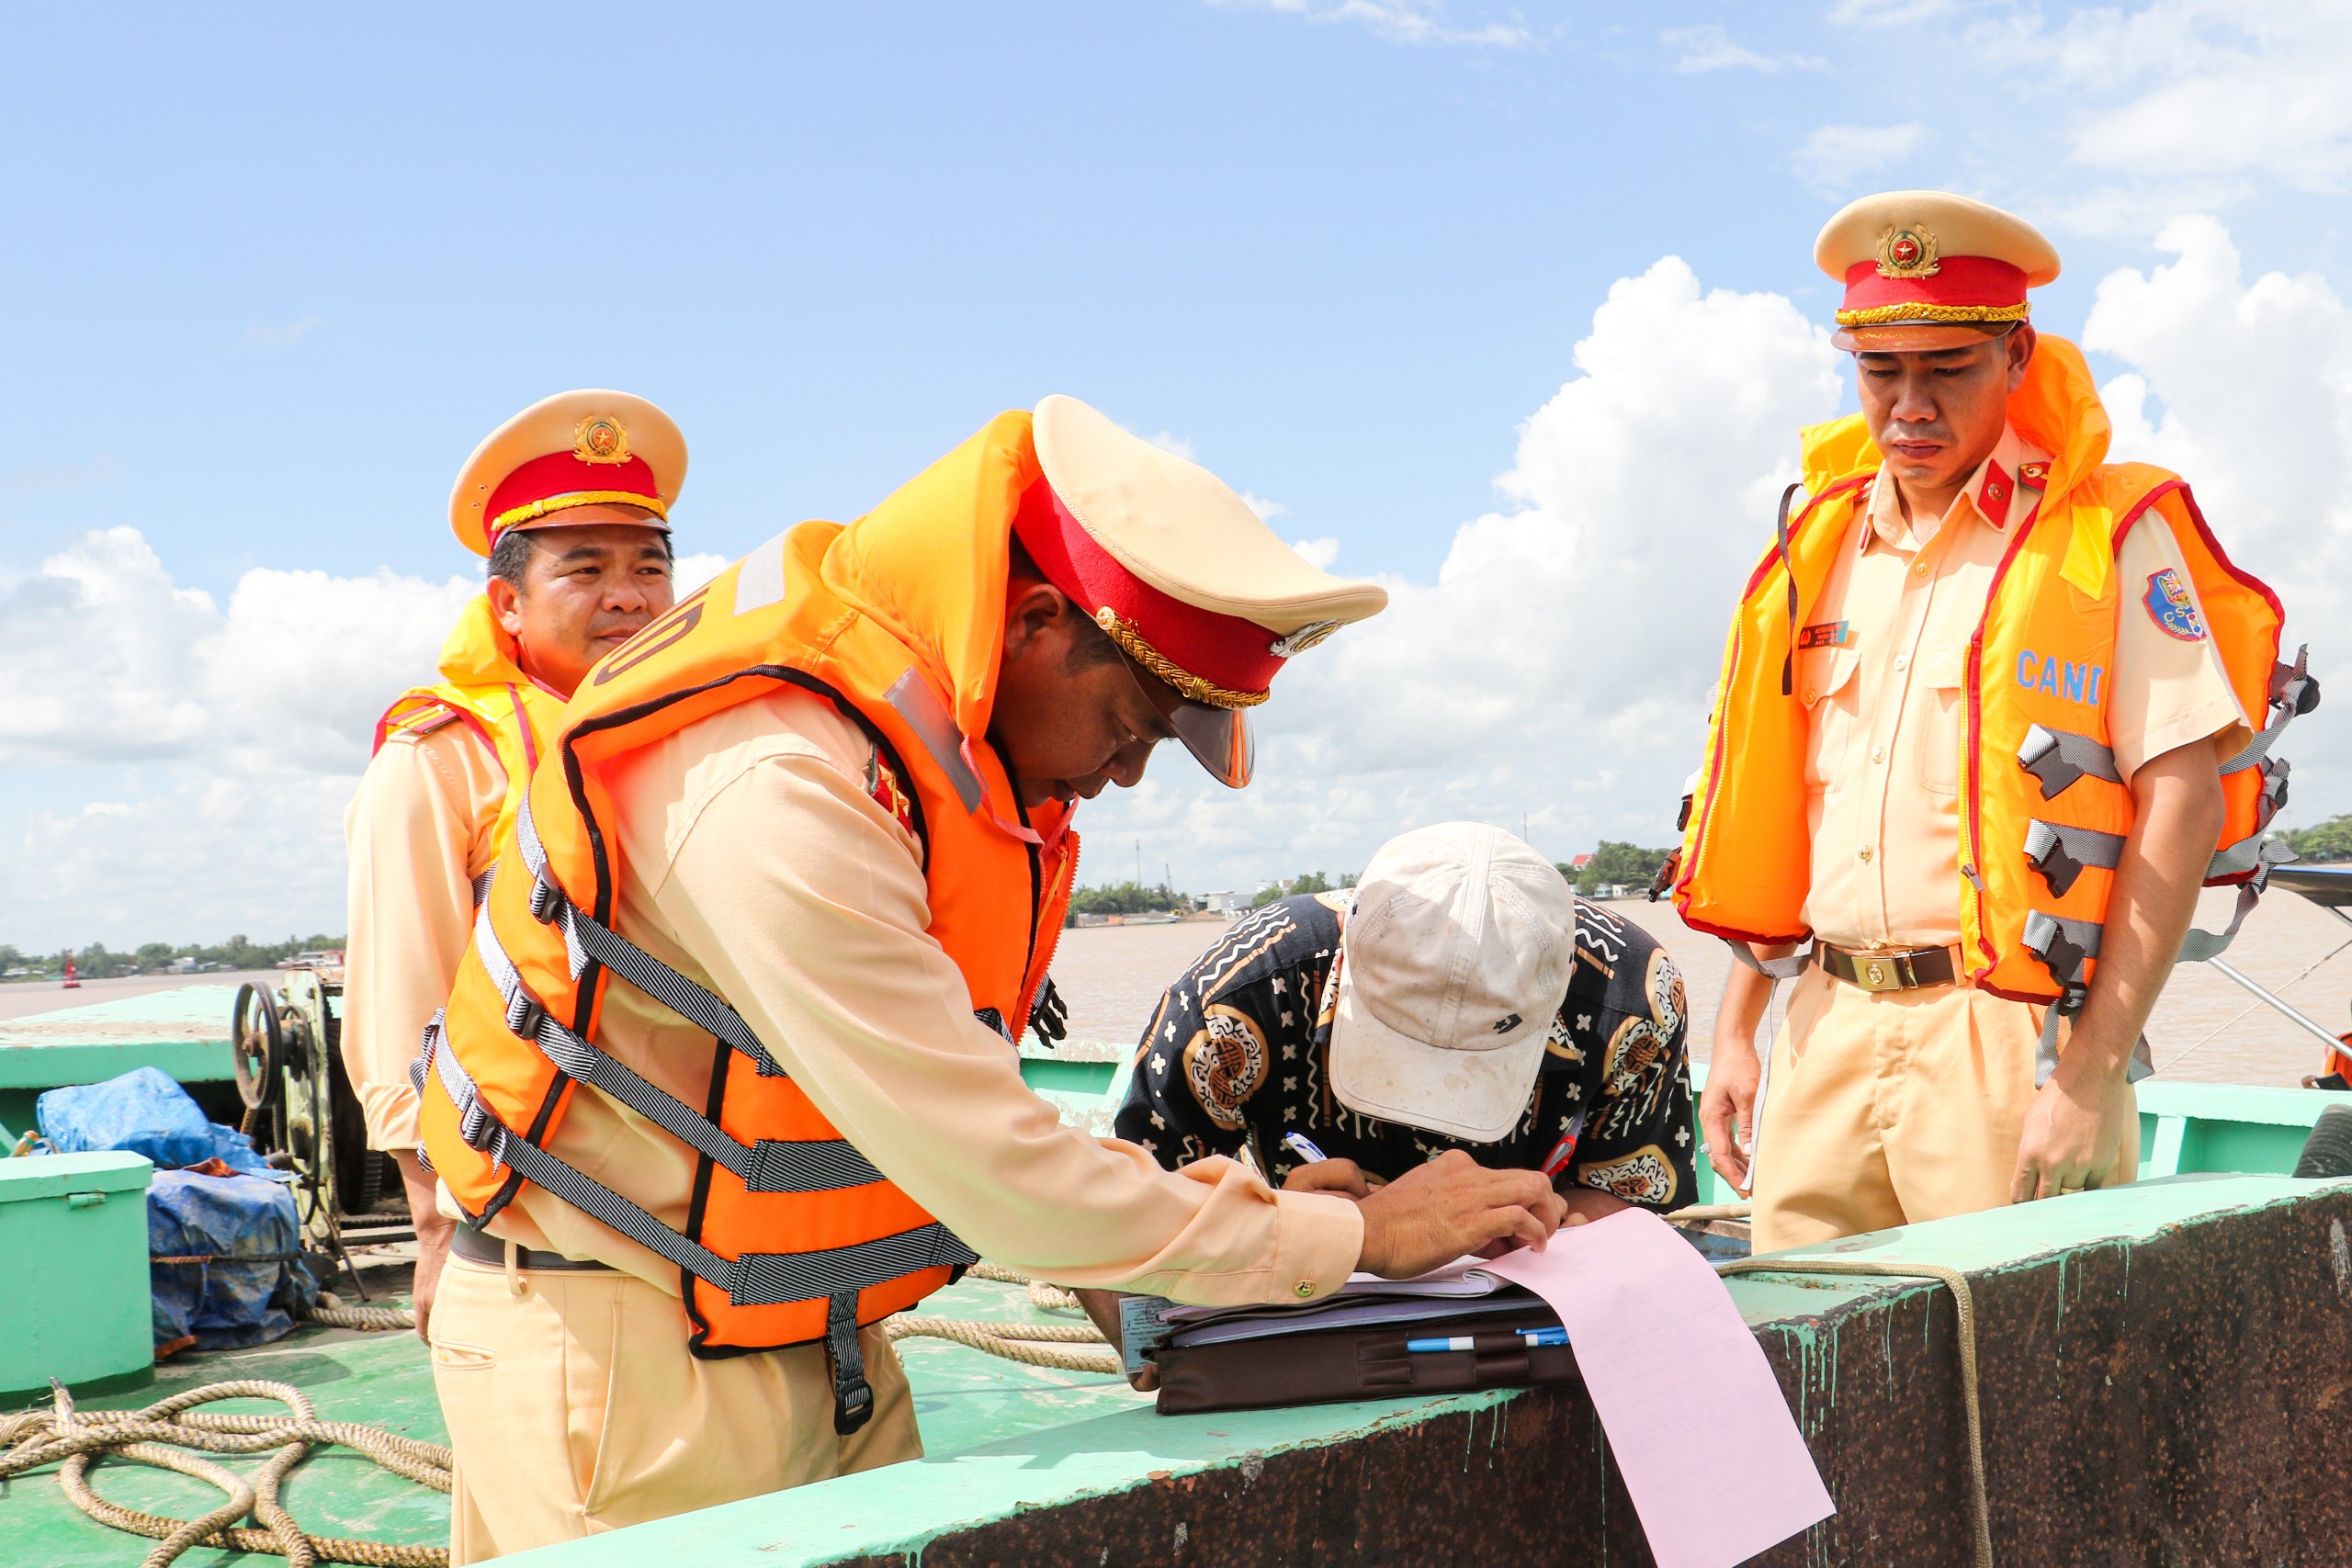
column 2073, row 1139
column 1103, row 1306
column 1728, row 1106
column 1343, row 1176
column 434, row 1229
column 1451, row 1206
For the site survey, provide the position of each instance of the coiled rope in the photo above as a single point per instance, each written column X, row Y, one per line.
column 155, row 1436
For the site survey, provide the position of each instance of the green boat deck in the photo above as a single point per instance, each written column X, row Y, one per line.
column 1002, row 1439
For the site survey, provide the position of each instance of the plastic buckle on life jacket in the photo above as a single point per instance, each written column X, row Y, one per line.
column 852, row 1397
column 524, row 1015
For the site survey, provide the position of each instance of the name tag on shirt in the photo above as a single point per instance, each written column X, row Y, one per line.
column 1826, row 634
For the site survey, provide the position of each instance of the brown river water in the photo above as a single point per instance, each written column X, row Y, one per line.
column 2205, row 1028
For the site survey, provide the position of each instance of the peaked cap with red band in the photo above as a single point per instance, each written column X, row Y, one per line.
column 1171, row 563
column 1925, row 270
column 563, row 453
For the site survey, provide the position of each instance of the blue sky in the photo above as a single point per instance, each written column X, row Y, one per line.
column 273, row 271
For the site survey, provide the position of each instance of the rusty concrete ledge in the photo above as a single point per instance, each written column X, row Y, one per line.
column 2164, row 1372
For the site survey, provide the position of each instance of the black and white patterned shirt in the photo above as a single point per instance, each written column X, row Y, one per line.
column 1239, row 1053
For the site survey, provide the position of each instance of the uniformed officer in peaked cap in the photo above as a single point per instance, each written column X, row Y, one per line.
column 569, row 504
column 1972, row 743
column 831, row 793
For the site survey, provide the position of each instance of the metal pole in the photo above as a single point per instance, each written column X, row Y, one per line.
column 2317, row 1031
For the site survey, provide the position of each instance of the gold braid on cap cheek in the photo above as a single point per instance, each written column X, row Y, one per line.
column 1132, row 644
column 533, row 511
column 1966, row 315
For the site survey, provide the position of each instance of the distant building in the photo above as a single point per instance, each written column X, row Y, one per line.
column 1222, row 903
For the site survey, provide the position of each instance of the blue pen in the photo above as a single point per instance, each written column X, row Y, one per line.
column 1531, row 1336
column 1304, row 1147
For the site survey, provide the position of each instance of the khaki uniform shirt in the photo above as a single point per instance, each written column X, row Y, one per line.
column 1884, row 735
column 755, row 861
column 422, row 826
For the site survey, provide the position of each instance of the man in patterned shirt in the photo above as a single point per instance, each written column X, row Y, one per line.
column 1423, row 1011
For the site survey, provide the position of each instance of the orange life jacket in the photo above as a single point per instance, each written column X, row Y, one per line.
column 898, row 618
column 483, row 687
column 2043, row 813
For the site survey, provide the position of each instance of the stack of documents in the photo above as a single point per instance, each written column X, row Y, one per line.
column 1459, row 1292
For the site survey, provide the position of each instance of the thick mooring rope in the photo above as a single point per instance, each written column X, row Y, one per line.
column 155, row 1436
column 1030, row 1344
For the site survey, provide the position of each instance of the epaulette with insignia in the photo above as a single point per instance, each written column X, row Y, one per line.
column 425, row 721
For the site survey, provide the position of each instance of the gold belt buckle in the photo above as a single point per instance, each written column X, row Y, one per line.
column 1882, row 971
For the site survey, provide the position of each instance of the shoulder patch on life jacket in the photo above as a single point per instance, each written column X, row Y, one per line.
column 882, row 783
column 2170, row 606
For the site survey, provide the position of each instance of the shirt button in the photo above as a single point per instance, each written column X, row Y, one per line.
column 1866, row 854
column 1921, row 569
column 1810, row 696
column 1902, row 661
column 1878, row 754
column 1304, row 1288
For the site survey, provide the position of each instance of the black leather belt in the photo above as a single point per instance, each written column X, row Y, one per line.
column 480, row 1247
column 1896, row 969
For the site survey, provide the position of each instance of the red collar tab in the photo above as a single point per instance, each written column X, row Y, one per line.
column 2033, row 476
column 547, row 485
column 1229, row 661
column 1994, row 496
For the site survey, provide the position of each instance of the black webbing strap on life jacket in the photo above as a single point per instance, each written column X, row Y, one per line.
column 1789, row 660
column 853, row 1396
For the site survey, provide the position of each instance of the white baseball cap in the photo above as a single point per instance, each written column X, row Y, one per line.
column 1452, row 965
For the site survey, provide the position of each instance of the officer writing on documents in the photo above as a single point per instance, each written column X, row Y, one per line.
column 568, row 500
column 727, row 1077
column 1460, row 1000
column 1980, row 735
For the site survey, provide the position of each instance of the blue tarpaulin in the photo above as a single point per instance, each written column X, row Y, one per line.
column 253, row 1283
column 246, row 1282
column 142, row 1112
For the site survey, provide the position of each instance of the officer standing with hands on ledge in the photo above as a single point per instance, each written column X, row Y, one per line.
column 728, row 1076
column 1982, row 734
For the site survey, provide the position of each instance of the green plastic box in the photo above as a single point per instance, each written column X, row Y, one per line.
column 73, row 1291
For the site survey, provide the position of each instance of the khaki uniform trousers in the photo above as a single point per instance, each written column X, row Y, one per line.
column 1890, row 1108
column 575, row 1408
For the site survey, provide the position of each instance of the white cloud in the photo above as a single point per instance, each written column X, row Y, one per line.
column 1558, row 666
column 1397, row 21
column 690, row 572
column 1887, row 13
column 1320, row 553
column 1267, row 511
column 1711, row 48
column 2245, row 388
column 1835, row 158
column 2117, row 115
column 199, row 755
column 1170, row 442
column 281, row 335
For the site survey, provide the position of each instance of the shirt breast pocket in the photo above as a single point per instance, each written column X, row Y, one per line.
column 1826, row 687
column 1942, row 671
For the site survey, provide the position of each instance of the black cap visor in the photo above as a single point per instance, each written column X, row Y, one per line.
column 1220, row 740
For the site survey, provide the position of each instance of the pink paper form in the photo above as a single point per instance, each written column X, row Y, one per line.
column 1666, row 1355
